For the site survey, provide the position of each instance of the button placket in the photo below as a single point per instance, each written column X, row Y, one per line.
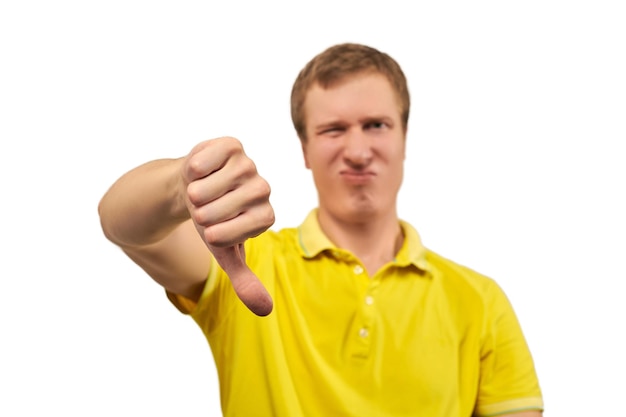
column 364, row 333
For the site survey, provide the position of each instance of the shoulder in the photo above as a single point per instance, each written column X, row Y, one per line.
column 465, row 286
column 451, row 272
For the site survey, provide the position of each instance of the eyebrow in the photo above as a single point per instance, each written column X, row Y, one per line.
column 370, row 119
column 364, row 120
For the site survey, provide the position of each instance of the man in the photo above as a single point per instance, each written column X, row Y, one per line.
column 354, row 317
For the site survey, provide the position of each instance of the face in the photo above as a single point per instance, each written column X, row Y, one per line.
column 355, row 147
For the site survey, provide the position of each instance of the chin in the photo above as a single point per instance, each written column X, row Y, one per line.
column 361, row 213
column 356, row 209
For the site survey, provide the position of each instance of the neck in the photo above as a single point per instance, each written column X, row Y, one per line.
column 374, row 241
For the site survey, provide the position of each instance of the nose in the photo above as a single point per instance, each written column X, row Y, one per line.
column 357, row 150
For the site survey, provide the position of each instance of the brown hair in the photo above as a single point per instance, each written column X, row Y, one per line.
column 332, row 66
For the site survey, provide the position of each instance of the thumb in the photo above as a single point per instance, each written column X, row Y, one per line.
column 249, row 289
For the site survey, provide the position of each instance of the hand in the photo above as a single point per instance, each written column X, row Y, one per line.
column 229, row 202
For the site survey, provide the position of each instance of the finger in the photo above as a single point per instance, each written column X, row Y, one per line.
column 202, row 162
column 244, row 208
column 210, row 156
column 234, row 174
column 247, row 286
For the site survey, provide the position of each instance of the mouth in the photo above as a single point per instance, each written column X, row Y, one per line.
column 357, row 177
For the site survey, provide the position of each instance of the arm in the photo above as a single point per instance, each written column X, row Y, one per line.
column 169, row 215
column 145, row 214
column 508, row 383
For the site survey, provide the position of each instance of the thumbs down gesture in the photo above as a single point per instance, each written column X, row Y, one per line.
column 228, row 202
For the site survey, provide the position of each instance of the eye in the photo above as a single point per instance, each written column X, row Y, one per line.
column 333, row 131
column 375, row 125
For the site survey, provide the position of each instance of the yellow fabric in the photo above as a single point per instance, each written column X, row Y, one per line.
column 421, row 337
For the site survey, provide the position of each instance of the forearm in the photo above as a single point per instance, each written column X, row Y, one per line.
column 144, row 205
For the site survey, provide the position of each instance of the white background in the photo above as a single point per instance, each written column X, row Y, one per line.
column 515, row 168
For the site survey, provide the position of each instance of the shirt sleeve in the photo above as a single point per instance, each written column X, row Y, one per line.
column 508, row 381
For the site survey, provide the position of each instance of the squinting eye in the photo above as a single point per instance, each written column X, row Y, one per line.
column 333, row 131
column 375, row 125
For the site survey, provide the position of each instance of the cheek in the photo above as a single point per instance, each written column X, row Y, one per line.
column 396, row 163
column 322, row 155
column 394, row 155
column 402, row 151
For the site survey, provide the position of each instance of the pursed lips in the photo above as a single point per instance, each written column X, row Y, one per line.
column 358, row 177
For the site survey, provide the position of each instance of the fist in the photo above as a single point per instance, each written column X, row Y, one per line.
column 228, row 202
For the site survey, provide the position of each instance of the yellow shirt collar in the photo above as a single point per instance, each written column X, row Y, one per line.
column 313, row 241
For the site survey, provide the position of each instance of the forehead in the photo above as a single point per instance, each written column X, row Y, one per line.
column 360, row 95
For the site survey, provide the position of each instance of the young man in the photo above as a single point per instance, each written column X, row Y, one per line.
column 354, row 317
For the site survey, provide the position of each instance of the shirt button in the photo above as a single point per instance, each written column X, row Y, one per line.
column 363, row 332
column 369, row 300
column 358, row 269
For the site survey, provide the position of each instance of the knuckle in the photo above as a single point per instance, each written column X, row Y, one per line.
column 259, row 190
column 246, row 167
column 193, row 168
column 198, row 216
column 232, row 144
column 194, row 193
column 214, row 238
column 264, row 219
column 269, row 217
column 265, row 188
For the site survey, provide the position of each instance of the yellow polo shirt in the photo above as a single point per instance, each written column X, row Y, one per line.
column 423, row 336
